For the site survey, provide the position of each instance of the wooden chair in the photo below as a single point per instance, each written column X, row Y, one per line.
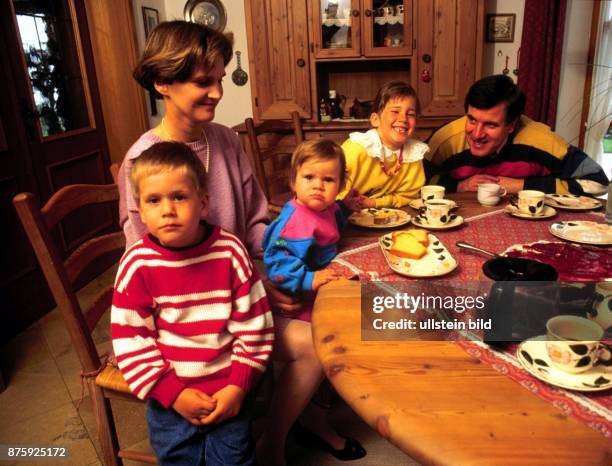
column 103, row 380
column 114, row 169
column 270, row 146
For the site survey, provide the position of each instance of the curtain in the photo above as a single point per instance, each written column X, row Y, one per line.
column 600, row 106
column 540, row 60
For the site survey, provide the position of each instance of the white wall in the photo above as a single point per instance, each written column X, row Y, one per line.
column 236, row 103
column 573, row 68
column 160, row 6
column 495, row 53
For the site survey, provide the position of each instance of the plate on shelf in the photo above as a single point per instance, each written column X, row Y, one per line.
column 533, row 357
column 571, row 202
column 583, row 231
column 379, row 218
column 420, row 222
column 547, row 212
column 436, row 261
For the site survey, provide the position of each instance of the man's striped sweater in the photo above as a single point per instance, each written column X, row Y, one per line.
column 196, row 318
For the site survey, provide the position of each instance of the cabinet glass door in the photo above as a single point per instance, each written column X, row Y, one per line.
column 337, row 23
column 388, row 27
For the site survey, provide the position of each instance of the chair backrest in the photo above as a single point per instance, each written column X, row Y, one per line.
column 61, row 275
column 114, row 169
column 270, row 145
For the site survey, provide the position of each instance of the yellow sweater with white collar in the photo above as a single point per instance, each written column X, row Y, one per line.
column 365, row 174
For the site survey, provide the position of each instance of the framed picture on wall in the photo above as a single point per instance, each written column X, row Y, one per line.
column 150, row 19
column 500, row 27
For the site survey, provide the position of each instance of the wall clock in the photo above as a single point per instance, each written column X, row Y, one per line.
column 210, row 13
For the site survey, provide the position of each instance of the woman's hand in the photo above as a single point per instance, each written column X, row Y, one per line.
column 286, row 303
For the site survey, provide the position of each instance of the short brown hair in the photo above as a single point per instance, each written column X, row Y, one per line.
column 324, row 149
column 165, row 156
column 393, row 90
column 175, row 49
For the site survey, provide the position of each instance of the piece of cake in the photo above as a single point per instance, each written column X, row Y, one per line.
column 383, row 216
column 404, row 244
column 421, row 235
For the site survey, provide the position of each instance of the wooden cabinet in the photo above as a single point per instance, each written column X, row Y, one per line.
column 449, row 50
column 300, row 49
column 354, row 28
column 279, row 59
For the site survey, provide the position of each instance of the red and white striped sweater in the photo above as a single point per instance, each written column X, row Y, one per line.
column 196, row 318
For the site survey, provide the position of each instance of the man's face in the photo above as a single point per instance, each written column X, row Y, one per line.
column 486, row 130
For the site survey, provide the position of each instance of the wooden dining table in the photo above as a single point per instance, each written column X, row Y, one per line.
column 434, row 400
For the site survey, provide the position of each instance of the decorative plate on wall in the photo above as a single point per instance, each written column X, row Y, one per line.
column 210, row 13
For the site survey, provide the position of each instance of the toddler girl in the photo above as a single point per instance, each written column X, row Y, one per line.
column 384, row 164
column 302, row 240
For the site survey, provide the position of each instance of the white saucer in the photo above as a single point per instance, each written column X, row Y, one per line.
column 572, row 202
column 583, row 231
column 419, row 222
column 534, row 358
column 547, row 212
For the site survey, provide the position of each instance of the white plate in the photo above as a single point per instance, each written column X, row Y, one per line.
column 365, row 218
column 416, row 203
column 437, row 261
column 534, row 358
column 571, row 202
column 583, row 231
column 419, row 222
column 547, row 212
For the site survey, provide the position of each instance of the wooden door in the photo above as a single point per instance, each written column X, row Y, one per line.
column 278, row 58
column 449, row 44
column 53, row 135
column 336, row 28
column 387, row 30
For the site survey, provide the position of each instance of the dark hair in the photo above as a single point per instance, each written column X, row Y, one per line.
column 175, row 48
column 324, row 149
column 165, row 156
column 392, row 90
column 488, row 92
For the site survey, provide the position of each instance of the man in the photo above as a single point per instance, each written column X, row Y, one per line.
column 494, row 143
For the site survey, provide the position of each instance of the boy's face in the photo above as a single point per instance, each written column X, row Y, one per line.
column 171, row 208
column 396, row 123
column 317, row 183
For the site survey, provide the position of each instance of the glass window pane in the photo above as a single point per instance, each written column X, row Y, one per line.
column 50, row 50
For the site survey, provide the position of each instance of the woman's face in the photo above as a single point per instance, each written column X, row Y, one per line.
column 196, row 98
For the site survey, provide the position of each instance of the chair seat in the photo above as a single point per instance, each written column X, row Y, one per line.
column 110, row 378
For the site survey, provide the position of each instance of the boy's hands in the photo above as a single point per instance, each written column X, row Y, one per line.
column 229, row 400
column 194, row 405
column 367, row 202
column 321, row 277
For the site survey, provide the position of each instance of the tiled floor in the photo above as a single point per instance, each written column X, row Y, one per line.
column 38, row 406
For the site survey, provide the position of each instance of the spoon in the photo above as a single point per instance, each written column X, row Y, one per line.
column 471, row 247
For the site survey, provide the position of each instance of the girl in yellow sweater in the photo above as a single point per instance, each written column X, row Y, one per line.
column 384, row 164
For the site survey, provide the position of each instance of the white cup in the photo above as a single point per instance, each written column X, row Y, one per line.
column 490, row 193
column 432, row 191
column 437, row 212
column 601, row 306
column 530, row 202
column 573, row 343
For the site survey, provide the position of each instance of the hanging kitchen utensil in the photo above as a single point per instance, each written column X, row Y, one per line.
column 239, row 76
column 518, row 55
column 506, row 70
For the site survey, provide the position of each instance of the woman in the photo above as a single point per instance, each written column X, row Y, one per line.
column 184, row 64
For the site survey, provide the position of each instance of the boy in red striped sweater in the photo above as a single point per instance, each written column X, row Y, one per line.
column 190, row 321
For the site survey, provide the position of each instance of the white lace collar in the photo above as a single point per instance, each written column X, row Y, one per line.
column 413, row 150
